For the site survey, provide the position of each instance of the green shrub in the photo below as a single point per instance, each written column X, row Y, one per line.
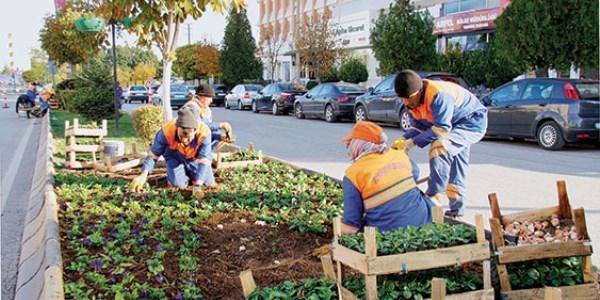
column 147, row 120
column 354, row 71
column 311, row 84
column 330, row 76
column 94, row 96
column 66, row 98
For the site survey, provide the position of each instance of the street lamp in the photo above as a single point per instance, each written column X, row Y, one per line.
column 96, row 25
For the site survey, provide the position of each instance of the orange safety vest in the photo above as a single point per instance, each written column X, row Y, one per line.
column 432, row 88
column 170, row 132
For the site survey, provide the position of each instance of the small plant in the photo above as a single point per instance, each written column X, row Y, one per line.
column 147, row 120
column 242, row 155
column 547, row 272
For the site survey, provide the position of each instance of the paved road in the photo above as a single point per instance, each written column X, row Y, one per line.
column 523, row 175
column 17, row 158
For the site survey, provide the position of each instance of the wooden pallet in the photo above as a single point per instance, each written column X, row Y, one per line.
column 220, row 164
column 514, row 254
column 371, row 265
column 72, row 148
column 120, row 163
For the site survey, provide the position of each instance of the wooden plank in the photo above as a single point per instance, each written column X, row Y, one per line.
column 429, row 259
column 126, row 165
column 438, row 289
column 497, row 233
column 248, row 284
column 587, row 291
column 503, row 277
column 371, row 287
column 588, row 270
column 337, row 227
column 350, row 258
column 347, row 295
column 86, row 132
column 437, row 215
column 487, row 274
column 513, row 254
column 480, row 229
column 66, row 127
column 580, row 224
column 238, row 164
column 371, row 251
column 340, row 278
column 531, row 215
column 493, row 199
column 552, row 293
column 563, row 200
column 327, row 265
column 85, row 148
column 487, row 294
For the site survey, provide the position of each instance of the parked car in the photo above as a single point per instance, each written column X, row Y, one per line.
column 136, row 93
column 220, row 93
column 241, row 96
column 553, row 111
column 329, row 101
column 382, row 105
column 277, row 97
column 179, row 95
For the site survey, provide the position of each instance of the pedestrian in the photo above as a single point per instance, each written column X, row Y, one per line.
column 41, row 110
column 450, row 119
column 185, row 145
column 27, row 101
column 380, row 186
column 200, row 105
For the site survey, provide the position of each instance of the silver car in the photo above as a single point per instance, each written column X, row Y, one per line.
column 241, row 96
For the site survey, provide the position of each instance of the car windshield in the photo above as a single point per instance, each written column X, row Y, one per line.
column 252, row 87
column 138, row 88
column 179, row 89
column 220, row 88
column 292, row 87
column 350, row 88
column 588, row 90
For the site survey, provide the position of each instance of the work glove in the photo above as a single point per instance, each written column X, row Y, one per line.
column 225, row 126
column 403, row 144
column 137, row 183
column 197, row 192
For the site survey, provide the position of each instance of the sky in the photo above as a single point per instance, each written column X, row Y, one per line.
column 25, row 18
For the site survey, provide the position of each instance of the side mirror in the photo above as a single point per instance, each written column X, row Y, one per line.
column 370, row 90
column 260, row 92
column 308, row 96
column 486, row 101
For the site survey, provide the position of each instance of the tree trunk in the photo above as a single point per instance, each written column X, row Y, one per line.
column 166, row 89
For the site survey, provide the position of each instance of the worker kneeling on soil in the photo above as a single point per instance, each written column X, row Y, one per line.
column 185, row 145
column 200, row 105
column 379, row 187
column 451, row 119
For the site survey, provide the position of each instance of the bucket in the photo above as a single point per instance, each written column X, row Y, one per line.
column 114, row 148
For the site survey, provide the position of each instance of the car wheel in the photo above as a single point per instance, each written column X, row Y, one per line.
column 404, row 120
column 360, row 114
column 240, row 106
column 330, row 114
column 549, row 136
column 298, row 112
column 254, row 107
column 275, row 109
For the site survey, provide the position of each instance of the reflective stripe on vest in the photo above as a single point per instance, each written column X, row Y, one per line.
column 432, row 88
column 170, row 132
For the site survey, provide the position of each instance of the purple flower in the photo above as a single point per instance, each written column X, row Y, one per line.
column 113, row 232
column 64, row 206
column 141, row 241
column 158, row 247
column 114, row 278
column 144, row 293
column 103, row 241
column 146, row 197
column 135, row 231
column 158, row 278
column 143, row 222
column 102, row 218
column 127, row 196
column 122, row 216
column 86, row 242
column 93, row 228
column 178, row 296
column 96, row 264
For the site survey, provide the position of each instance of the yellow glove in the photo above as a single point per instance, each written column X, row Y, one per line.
column 137, row 183
column 197, row 192
column 225, row 126
column 403, row 144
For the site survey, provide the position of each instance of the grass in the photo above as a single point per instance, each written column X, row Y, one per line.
column 126, row 132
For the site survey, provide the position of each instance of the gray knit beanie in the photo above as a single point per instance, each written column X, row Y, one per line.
column 186, row 118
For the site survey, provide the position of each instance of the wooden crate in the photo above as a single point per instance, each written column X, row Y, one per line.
column 220, row 164
column 72, row 148
column 371, row 265
column 514, row 254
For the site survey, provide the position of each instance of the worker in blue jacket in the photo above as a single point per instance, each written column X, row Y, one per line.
column 450, row 119
column 379, row 187
column 200, row 105
column 185, row 145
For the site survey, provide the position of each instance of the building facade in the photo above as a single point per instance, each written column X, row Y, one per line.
column 469, row 24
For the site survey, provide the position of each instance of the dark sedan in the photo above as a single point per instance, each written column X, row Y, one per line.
column 553, row 111
column 220, row 93
column 278, row 98
column 329, row 101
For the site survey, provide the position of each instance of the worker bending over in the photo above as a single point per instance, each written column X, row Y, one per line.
column 200, row 105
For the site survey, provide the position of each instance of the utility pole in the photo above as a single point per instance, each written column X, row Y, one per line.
column 189, row 30
column 297, row 37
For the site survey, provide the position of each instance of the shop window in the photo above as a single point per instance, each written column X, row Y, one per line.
column 469, row 42
column 450, row 8
column 493, row 3
column 467, row 5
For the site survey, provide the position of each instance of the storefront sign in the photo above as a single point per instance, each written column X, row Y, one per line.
column 465, row 22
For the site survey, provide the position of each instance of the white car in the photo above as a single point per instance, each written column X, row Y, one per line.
column 136, row 93
column 241, row 96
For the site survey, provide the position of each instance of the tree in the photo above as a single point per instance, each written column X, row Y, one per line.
column 318, row 45
column 354, row 70
column 143, row 72
column 238, row 61
column 93, row 97
column 269, row 50
column 187, row 62
column 64, row 43
column 549, row 34
column 37, row 72
column 402, row 38
column 130, row 57
column 7, row 70
column 208, row 55
column 157, row 22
